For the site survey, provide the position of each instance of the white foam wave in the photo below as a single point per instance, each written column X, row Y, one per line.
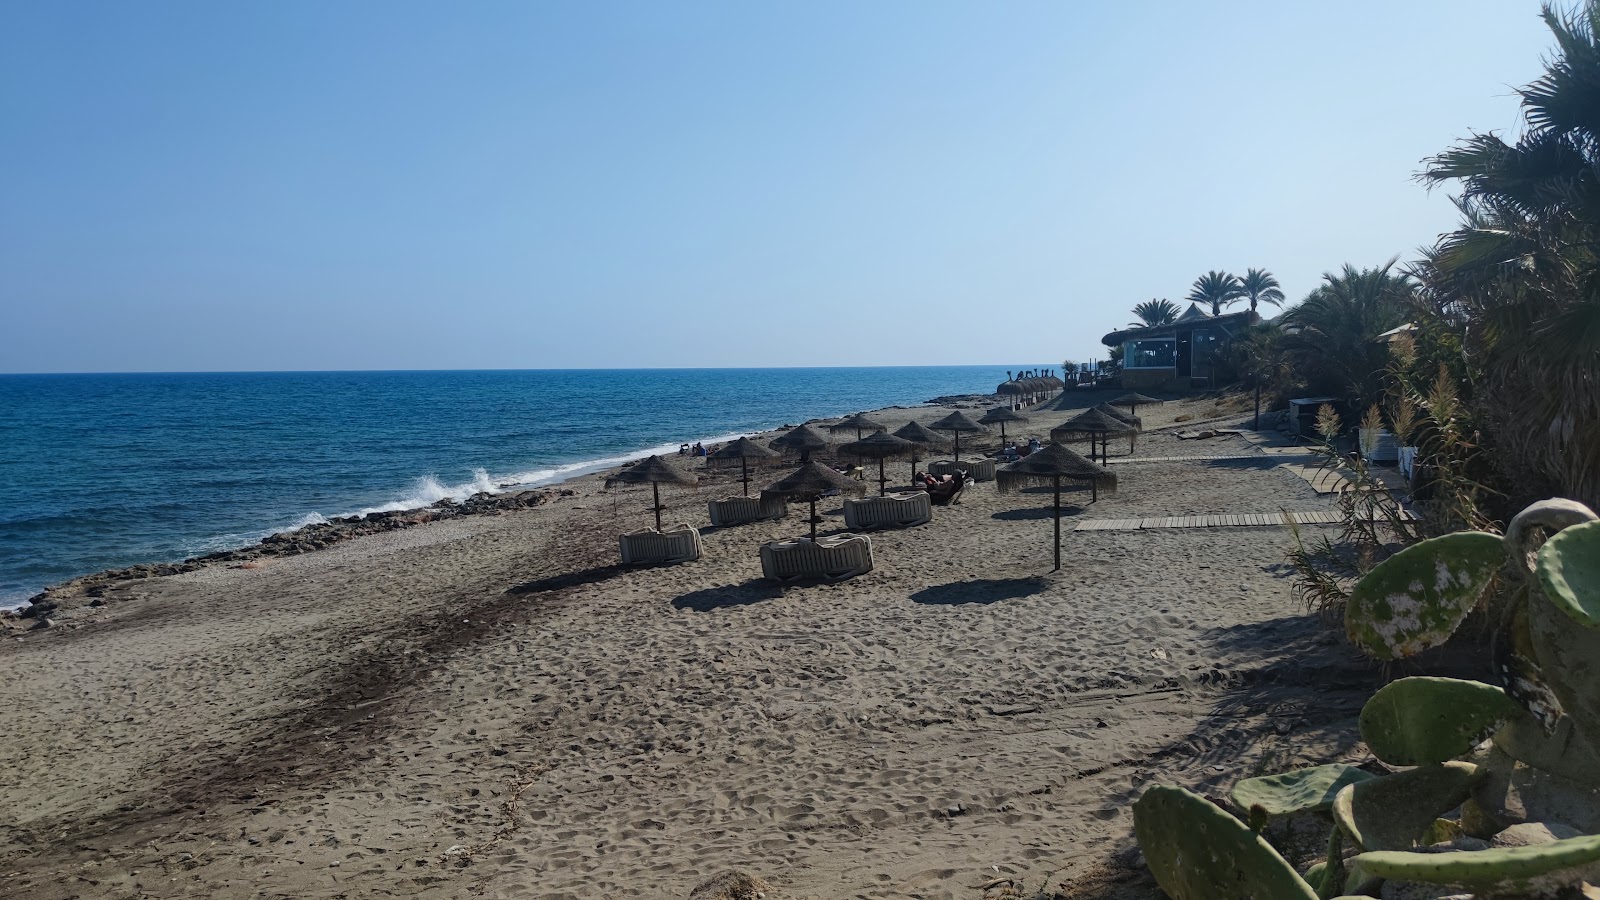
column 557, row 474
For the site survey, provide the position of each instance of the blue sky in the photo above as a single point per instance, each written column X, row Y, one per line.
column 356, row 185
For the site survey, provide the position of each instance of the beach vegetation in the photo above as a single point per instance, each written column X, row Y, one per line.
column 1216, row 290
column 1258, row 286
column 1519, row 813
column 1155, row 312
column 1520, row 279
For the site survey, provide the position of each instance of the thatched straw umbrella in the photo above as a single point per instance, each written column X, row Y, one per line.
column 920, row 436
column 656, row 471
column 880, row 446
column 743, row 450
column 1093, row 424
column 1000, row 415
column 955, row 423
column 860, row 422
column 1126, row 419
column 810, row 482
column 1050, row 466
column 1135, row 400
column 800, row 440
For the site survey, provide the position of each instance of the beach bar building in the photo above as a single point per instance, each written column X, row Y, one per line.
column 1178, row 355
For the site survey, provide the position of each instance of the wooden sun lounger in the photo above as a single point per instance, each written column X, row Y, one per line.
column 900, row 510
column 835, row 557
column 679, row 544
column 739, row 510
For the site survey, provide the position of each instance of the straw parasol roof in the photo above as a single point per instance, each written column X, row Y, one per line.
column 743, row 450
column 1000, row 415
column 1054, row 461
column 880, row 446
column 1051, row 466
column 1093, row 424
column 810, row 482
column 1093, row 420
column 651, row 470
column 1134, row 400
column 859, row 422
column 918, row 433
column 956, row 423
column 1119, row 415
column 801, row 440
column 655, row 471
column 920, row 436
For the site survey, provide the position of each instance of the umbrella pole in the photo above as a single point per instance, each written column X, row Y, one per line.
column 1002, row 434
column 958, row 445
column 744, row 474
column 655, row 492
column 813, row 520
column 883, row 480
column 1056, row 480
column 913, row 467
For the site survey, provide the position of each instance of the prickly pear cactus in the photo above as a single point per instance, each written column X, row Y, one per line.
column 1197, row 851
column 1563, row 751
column 1537, row 871
column 1568, row 655
column 1303, row 790
column 1421, row 721
column 1569, row 570
column 1396, row 812
column 1415, row 599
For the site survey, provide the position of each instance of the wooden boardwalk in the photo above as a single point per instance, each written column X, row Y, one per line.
column 1279, row 519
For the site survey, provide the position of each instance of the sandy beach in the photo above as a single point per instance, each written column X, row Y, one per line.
column 491, row 707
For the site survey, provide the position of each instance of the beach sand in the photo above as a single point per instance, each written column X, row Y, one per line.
column 490, row 707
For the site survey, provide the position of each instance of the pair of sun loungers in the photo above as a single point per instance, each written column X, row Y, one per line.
column 833, row 557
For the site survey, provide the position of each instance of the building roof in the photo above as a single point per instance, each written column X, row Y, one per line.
column 1191, row 317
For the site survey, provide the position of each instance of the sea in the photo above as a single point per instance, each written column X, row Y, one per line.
column 106, row 471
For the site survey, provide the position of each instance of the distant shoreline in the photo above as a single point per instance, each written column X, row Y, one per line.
column 358, row 524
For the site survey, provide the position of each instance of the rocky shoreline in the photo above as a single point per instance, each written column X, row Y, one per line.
column 92, row 589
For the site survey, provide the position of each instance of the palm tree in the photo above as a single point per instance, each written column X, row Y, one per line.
column 1258, row 286
column 1522, row 273
column 1155, row 312
column 1332, row 334
column 1216, row 288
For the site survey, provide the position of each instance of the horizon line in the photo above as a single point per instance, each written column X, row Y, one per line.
column 1055, row 365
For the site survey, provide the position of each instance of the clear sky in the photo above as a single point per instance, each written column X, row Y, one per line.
column 356, row 185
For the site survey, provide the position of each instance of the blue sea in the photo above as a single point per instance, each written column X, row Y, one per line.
column 106, row 471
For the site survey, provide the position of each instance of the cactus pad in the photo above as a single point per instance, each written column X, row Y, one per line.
column 1568, row 655
column 1569, row 570
column 1421, row 721
column 1197, row 851
column 1540, row 870
column 1397, row 811
column 1564, row 751
column 1302, row 790
column 1415, row 599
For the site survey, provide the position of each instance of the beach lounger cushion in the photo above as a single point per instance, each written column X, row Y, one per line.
column 900, row 510
column 678, row 544
column 739, row 510
column 834, row 557
column 976, row 469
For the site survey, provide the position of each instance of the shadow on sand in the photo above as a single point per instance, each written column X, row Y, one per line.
column 570, row 579
column 723, row 596
column 1038, row 512
column 981, row 590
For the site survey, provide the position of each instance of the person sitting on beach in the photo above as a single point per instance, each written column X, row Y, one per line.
column 1034, row 446
column 699, row 450
column 684, row 450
